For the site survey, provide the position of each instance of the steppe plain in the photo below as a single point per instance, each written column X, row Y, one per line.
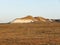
column 37, row 33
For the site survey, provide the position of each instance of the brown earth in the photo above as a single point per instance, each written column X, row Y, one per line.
column 37, row 33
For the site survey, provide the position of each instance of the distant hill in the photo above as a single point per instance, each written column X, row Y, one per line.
column 29, row 19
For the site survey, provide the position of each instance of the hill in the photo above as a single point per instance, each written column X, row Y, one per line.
column 29, row 19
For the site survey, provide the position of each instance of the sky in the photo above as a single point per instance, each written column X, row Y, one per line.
column 11, row 9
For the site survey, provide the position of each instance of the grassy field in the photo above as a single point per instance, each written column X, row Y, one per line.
column 30, row 34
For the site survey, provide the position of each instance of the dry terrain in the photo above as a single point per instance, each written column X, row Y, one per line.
column 37, row 33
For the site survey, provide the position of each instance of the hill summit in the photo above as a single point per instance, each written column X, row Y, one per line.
column 29, row 19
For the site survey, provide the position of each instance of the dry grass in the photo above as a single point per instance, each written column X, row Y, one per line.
column 30, row 34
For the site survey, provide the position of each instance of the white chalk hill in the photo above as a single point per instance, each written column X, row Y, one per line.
column 29, row 19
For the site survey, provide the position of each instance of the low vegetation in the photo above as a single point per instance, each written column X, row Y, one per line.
column 37, row 33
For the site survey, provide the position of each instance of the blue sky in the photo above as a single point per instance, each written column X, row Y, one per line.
column 11, row 9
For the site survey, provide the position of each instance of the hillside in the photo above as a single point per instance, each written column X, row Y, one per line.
column 29, row 19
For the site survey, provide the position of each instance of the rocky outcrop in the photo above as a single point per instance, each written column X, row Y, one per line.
column 29, row 19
